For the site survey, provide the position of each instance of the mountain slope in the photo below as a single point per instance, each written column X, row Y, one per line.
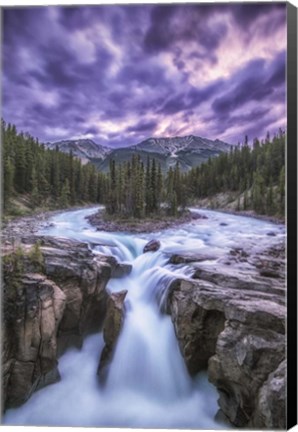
column 85, row 149
column 189, row 151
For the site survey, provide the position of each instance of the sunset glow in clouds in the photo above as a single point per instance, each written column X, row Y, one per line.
column 120, row 74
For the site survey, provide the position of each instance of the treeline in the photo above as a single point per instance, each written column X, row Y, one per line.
column 50, row 178
column 256, row 173
column 139, row 191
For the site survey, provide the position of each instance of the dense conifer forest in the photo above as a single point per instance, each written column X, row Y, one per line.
column 138, row 191
column 51, row 179
column 256, row 174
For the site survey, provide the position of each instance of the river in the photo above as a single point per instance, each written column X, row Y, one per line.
column 147, row 385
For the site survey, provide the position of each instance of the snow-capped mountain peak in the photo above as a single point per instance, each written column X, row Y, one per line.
column 172, row 146
column 84, row 149
column 189, row 151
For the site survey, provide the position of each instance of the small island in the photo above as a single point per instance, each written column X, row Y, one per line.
column 103, row 222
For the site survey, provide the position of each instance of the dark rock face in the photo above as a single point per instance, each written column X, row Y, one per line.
column 271, row 401
column 46, row 313
column 112, row 327
column 186, row 258
column 118, row 269
column 83, row 279
column 244, row 358
column 231, row 320
column 197, row 328
column 31, row 319
column 152, row 246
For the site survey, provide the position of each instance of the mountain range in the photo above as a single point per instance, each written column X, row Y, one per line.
column 189, row 151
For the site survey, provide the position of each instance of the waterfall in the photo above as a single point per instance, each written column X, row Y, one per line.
column 147, row 384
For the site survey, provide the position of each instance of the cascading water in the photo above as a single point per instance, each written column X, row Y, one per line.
column 147, row 383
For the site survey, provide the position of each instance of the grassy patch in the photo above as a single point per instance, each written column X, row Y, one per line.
column 36, row 257
column 17, row 262
column 13, row 269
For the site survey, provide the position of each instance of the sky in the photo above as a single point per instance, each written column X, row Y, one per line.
column 120, row 74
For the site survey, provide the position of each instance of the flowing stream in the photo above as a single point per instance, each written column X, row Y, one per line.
column 147, row 385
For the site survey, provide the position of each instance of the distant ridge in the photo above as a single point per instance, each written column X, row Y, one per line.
column 85, row 149
column 189, row 151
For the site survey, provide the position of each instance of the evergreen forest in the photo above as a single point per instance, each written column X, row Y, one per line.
column 255, row 174
column 50, row 179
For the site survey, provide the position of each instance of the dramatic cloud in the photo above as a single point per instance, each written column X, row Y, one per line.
column 119, row 74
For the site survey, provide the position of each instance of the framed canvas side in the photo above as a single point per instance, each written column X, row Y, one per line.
column 292, row 215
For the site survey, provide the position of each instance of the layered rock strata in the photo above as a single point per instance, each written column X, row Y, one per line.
column 231, row 321
column 45, row 313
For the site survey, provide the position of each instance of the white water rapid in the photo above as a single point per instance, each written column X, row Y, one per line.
column 148, row 385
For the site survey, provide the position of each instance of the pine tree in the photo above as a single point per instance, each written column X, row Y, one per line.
column 139, row 200
column 35, row 197
column 20, row 166
column 159, row 186
column 245, row 200
column 92, row 187
column 148, row 188
column 64, row 199
column 281, row 190
column 153, row 185
column 177, row 184
column 8, row 182
column 238, row 208
column 173, row 204
column 270, row 205
column 71, row 171
column 258, row 193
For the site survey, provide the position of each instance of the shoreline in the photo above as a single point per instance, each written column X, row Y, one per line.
column 22, row 226
column 251, row 214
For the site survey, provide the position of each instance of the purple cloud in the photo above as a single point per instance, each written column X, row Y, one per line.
column 122, row 73
column 143, row 127
column 170, row 25
column 246, row 14
column 253, row 84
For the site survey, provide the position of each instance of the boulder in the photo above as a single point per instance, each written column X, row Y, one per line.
column 196, row 215
column 185, row 258
column 111, row 329
column 119, row 270
column 152, row 246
